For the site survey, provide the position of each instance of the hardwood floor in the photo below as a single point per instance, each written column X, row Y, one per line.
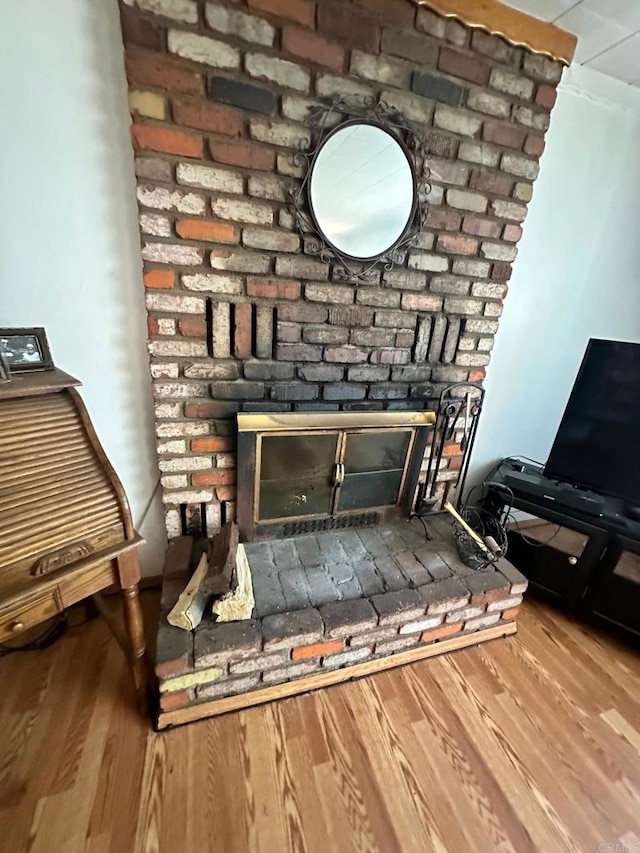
column 527, row 743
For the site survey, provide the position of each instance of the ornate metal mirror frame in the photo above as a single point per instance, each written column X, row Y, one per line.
column 323, row 124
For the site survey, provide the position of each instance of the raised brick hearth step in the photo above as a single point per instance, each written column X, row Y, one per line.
column 332, row 601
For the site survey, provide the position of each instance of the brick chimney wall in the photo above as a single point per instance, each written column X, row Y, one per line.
column 239, row 316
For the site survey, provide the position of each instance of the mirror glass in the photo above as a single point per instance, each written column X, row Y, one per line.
column 362, row 190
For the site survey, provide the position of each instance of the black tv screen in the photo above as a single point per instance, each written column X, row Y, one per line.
column 598, row 443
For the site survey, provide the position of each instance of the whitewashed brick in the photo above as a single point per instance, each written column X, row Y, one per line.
column 194, row 349
column 269, row 187
column 233, row 22
column 239, row 210
column 180, row 389
column 523, row 192
column 463, row 200
column 148, row 104
column 191, row 496
column 487, row 290
column 379, row 68
column 175, row 304
column 178, row 10
column 327, row 85
column 169, row 253
column 472, row 359
column 174, row 481
column 453, row 119
column 171, row 446
column 493, row 309
column 448, row 171
column 225, row 460
column 168, row 410
column 238, row 260
column 228, row 285
column 279, row 71
column 276, row 133
column 198, row 48
column 155, row 225
column 173, row 523
column 269, row 238
column 429, row 263
column 166, row 326
column 421, row 625
column 509, row 210
column 180, row 428
column 414, row 107
column 485, row 102
column 530, row 118
column 520, row 166
column 482, row 327
column 164, row 370
column 472, row 267
column 208, row 178
column 511, row 84
column 162, row 198
column 481, row 622
column 479, row 152
column 450, row 284
column 498, row 251
column 186, row 463
column 542, row 68
column 463, row 306
column 485, row 344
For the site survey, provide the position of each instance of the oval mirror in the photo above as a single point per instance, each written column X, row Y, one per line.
column 362, row 189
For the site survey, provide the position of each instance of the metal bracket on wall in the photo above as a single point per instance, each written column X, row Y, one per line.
column 458, row 411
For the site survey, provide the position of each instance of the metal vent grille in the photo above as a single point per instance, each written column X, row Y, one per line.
column 318, row 525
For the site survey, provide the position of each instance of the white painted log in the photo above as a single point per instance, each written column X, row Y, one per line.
column 189, row 608
column 239, row 603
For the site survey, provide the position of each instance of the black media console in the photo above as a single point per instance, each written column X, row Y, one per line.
column 583, row 556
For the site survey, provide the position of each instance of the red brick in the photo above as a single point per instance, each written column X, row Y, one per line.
column 209, row 410
column 344, row 21
column 455, row 463
column 463, row 66
column 243, row 324
column 302, row 11
column 312, row 47
column 480, row 227
column 140, row 31
column 512, row 233
column 211, row 117
column 151, row 69
column 395, row 12
column 152, row 326
column 510, row 613
column 222, row 477
column 246, row 154
column 159, row 278
column 193, row 328
column 458, row 244
column 442, row 631
column 546, row 96
column 477, row 375
column 489, row 595
column 317, row 649
column 413, row 46
column 197, row 229
column 213, row 444
column 503, row 134
column 491, row 182
column 440, row 217
column 268, row 288
column 169, row 140
column 167, row 668
column 501, row 271
column 534, row 145
column 171, row 701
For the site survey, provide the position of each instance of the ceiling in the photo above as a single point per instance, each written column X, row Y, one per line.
column 608, row 32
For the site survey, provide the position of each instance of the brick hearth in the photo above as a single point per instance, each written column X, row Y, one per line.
column 240, row 316
column 328, row 602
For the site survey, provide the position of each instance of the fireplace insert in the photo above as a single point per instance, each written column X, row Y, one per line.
column 308, row 472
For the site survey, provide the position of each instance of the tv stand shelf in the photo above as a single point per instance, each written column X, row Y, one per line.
column 587, row 564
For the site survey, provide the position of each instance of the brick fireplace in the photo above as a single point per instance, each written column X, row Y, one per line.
column 241, row 316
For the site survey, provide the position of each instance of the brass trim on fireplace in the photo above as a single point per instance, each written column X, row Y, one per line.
column 316, row 421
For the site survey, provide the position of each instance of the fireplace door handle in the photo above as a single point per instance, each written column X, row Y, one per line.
column 339, row 475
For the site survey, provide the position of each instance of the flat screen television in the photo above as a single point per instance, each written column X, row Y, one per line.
column 598, row 442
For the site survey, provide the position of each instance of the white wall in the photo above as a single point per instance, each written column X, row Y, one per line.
column 577, row 274
column 70, row 256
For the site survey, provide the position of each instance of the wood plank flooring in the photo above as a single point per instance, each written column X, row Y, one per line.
column 528, row 743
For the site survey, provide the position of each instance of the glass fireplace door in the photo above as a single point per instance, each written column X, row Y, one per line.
column 374, row 464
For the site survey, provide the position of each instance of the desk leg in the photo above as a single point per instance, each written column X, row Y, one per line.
column 129, row 572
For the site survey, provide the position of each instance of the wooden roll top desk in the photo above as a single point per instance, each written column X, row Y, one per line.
column 65, row 525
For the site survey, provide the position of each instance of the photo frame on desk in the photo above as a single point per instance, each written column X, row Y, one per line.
column 24, row 350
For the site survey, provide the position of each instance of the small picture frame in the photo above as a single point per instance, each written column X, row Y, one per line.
column 25, row 350
column 5, row 371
